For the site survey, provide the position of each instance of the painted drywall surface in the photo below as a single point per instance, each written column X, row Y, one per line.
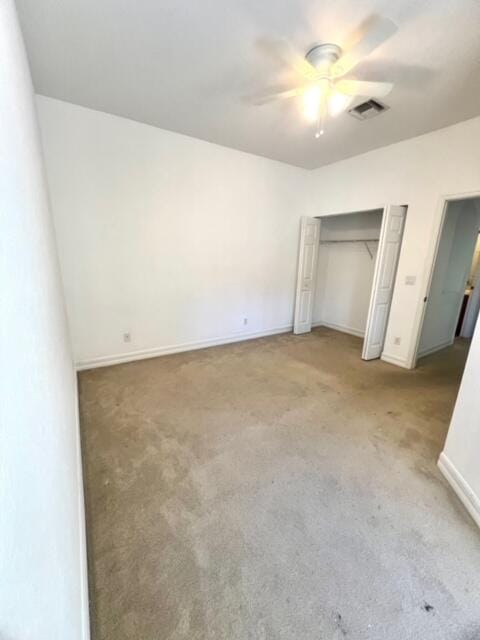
column 451, row 271
column 419, row 173
column 171, row 239
column 345, row 271
column 42, row 559
column 463, row 439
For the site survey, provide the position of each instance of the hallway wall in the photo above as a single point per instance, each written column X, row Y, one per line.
column 459, row 460
column 43, row 591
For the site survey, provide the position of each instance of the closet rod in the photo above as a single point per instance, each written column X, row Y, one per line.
column 362, row 240
column 365, row 242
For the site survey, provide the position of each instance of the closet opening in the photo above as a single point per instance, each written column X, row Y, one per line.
column 347, row 270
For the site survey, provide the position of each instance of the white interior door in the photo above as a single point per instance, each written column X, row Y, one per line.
column 307, row 273
column 473, row 306
column 471, row 314
column 383, row 280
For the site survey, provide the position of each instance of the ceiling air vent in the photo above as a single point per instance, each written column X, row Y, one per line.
column 368, row 109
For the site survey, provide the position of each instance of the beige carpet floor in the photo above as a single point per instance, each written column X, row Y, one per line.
column 277, row 489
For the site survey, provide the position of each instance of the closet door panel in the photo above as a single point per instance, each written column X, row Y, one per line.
column 307, row 273
column 384, row 280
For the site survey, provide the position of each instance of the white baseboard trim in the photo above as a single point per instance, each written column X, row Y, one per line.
column 443, row 345
column 83, row 571
column 461, row 487
column 340, row 327
column 106, row 361
column 399, row 362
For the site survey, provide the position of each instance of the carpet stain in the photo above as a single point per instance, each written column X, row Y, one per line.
column 341, row 625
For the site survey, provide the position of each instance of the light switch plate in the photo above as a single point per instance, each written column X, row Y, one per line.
column 410, row 280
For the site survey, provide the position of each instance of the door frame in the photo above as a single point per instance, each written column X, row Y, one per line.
column 443, row 203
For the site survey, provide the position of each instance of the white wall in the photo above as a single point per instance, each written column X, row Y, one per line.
column 460, row 458
column 42, row 553
column 449, row 280
column 345, row 271
column 173, row 239
column 419, row 173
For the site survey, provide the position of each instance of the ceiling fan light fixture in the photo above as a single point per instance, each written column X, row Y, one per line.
column 325, row 91
column 312, row 99
column 338, row 102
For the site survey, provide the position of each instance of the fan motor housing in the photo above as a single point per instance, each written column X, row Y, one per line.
column 322, row 53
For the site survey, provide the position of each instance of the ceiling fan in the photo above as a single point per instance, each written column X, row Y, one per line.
column 325, row 90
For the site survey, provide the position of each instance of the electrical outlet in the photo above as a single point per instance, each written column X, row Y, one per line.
column 245, row 321
column 127, row 336
column 397, row 340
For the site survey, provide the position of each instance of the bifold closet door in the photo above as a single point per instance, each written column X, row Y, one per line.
column 307, row 274
column 383, row 280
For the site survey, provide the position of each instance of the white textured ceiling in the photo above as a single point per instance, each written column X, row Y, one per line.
column 186, row 65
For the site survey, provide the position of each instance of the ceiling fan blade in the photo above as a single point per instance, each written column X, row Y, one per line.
column 376, row 30
column 364, row 88
column 279, row 95
column 282, row 53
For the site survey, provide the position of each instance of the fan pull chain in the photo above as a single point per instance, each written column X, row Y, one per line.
column 320, row 122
